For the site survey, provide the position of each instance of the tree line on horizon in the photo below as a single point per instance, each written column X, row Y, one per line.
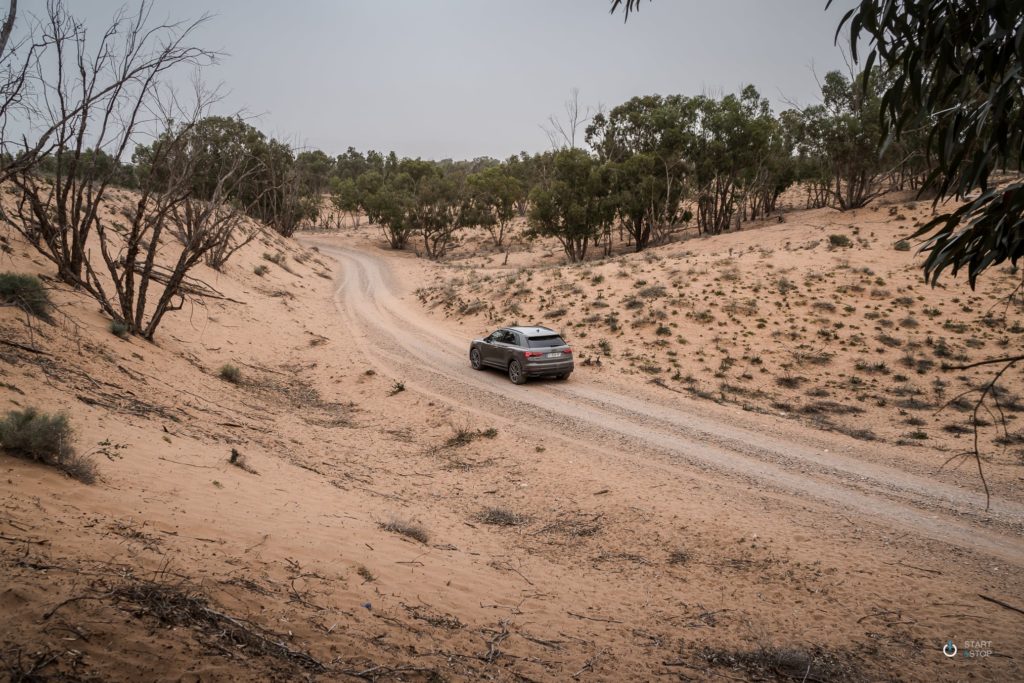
column 651, row 166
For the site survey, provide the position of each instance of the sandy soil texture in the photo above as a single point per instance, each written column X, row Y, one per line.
column 400, row 516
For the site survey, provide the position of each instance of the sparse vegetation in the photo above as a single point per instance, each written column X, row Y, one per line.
column 46, row 439
column 238, row 460
column 499, row 516
column 25, row 292
column 119, row 329
column 464, row 436
column 230, row 373
column 407, row 529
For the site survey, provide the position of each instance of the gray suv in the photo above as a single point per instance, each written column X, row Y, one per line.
column 523, row 352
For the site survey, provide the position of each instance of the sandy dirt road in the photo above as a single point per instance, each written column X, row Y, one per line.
column 672, row 436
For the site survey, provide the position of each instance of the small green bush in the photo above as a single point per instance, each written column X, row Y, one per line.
column 27, row 293
column 902, row 245
column 260, row 270
column 230, row 373
column 119, row 328
column 839, row 241
column 46, row 439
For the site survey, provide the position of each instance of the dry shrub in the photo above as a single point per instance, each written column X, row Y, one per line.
column 182, row 605
column 230, row 373
column 26, row 292
column 406, row 528
column 499, row 516
column 46, row 439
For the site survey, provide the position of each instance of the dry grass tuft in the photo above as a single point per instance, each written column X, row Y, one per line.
column 406, row 528
column 499, row 516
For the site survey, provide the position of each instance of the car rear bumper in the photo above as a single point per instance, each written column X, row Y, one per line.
column 547, row 369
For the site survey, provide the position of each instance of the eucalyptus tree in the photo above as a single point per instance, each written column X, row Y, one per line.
column 648, row 142
column 841, row 135
column 573, row 202
column 492, row 202
column 735, row 139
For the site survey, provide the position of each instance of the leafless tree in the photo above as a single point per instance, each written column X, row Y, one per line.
column 562, row 133
column 16, row 62
column 8, row 26
column 94, row 103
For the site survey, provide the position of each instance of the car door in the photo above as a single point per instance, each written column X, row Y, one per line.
column 504, row 345
column 487, row 349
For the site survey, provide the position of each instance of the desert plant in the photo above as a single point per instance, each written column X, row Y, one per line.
column 499, row 516
column 464, row 436
column 277, row 259
column 839, row 241
column 260, row 270
column 46, row 439
column 407, row 529
column 238, row 460
column 902, row 245
column 118, row 328
column 230, row 373
column 26, row 292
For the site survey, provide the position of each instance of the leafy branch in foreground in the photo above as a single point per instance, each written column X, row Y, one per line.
column 955, row 68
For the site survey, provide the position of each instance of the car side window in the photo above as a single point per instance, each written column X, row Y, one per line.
column 505, row 337
column 515, row 339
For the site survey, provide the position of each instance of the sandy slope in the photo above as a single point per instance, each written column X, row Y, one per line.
column 656, row 536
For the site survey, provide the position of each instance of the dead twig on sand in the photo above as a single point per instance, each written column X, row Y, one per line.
column 1001, row 603
column 14, row 539
column 492, row 645
column 375, row 672
column 910, row 566
column 180, row 604
column 604, row 619
column 507, row 566
column 186, row 464
column 22, row 347
column 589, row 664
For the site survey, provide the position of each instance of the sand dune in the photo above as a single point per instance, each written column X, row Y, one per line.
column 705, row 502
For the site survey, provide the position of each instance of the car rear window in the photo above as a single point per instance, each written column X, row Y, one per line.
column 546, row 341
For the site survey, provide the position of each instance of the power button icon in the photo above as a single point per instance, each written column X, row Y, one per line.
column 949, row 649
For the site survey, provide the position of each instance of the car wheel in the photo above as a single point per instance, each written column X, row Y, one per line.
column 515, row 373
column 474, row 359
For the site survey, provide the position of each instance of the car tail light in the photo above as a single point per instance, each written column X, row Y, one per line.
column 569, row 351
column 532, row 354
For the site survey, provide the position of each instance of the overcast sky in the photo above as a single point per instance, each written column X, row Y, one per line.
column 468, row 78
